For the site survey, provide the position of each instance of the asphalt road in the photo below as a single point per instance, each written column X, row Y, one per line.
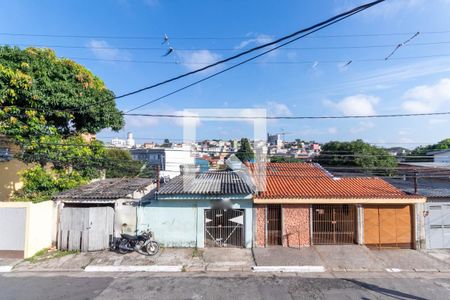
column 252, row 287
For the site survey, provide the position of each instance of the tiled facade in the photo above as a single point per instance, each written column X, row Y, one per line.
column 296, row 223
column 260, row 225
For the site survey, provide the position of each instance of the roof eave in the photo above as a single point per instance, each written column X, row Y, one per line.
column 399, row 200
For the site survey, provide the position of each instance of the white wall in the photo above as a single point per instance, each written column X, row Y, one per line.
column 34, row 231
column 41, row 224
column 176, row 157
column 442, row 157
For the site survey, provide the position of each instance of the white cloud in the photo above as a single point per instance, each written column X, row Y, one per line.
column 361, row 104
column 140, row 122
column 103, row 50
column 255, row 41
column 386, row 78
column 437, row 121
column 278, row 109
column 198, row 59
column 428, row 98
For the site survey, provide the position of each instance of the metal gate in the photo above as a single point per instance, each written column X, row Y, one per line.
column 224, row 227
column 333, row 224
column 86, row 228
column 438, row 225
column 274, row 225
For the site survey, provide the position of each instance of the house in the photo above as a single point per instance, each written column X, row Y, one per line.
column 441, row 156
column 211, row 209
column 301, row 204
column 10, row 169
column 169, row 160
column 434, row 184
column 91, row 215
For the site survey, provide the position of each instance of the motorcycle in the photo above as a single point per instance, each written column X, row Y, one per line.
column 142, row 243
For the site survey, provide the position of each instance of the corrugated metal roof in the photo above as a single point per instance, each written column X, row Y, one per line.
column 208, row 183
column 426, row 189
column 107, row 189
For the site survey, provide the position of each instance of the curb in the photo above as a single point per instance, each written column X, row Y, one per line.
column 289, row 269
column 134, row 269
column 5, row 269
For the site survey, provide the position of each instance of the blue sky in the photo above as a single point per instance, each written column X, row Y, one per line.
column 311, row 80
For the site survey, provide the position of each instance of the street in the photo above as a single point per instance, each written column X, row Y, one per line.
column 143, row 286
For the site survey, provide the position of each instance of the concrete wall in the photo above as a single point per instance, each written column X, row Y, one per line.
column 32, row 232
column 180, row 223
column 125, row 213
column 296, row 225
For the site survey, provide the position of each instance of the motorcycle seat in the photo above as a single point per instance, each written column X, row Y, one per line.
column 129, row 236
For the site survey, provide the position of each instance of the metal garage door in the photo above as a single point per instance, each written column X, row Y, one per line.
column 86, row 228
column 12, row 232
column 333, row 224
column 224, row 227
column 438, row 225
column 388, row 226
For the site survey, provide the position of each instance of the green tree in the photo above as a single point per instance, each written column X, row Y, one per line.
column 285, row 159
column 166, row 144
column 245, row 152
column 119, row 163
column 46, row 104
column 363, row 156
column 420, row 153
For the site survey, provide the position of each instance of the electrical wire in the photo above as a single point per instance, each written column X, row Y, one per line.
column 224, row 49
column 301, row 32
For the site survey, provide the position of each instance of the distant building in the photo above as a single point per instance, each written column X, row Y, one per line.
column 130, row 140
column 169, row 160
column 119, row 143
column 442, row 156
column 275, row 140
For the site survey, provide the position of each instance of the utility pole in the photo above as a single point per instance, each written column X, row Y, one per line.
column 415, row 181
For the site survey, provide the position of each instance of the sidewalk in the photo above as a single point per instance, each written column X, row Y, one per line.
column 315, row 259
column 167, row 260
column 350, row 258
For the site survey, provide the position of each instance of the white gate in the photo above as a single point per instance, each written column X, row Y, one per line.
column 86, row 228
column 438, row 225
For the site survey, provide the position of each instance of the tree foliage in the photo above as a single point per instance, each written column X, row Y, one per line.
column 40, row 184
column 368, row 158
column 245, row 152
column 119, row 163
column 46, row 104
column 419, row 153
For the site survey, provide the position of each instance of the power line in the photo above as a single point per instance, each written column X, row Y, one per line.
column 259, row 63
column 231, row 67
column 222, row 49
column 177, row 116
column 302, row 33
column 286, row 117
column 174, row 37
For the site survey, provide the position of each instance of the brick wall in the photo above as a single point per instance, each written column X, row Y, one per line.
column 296, row 231
column 260, row 225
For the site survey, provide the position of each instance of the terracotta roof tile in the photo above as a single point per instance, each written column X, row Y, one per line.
column 306, row 180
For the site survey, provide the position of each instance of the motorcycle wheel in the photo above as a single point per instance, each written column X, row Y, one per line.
column 152, row 248
column 121, row 250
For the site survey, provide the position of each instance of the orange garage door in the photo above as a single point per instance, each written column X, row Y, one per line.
column 388, row 226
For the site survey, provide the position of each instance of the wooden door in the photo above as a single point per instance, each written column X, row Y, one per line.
column 274, row 232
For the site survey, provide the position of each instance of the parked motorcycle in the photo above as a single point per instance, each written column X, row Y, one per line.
column 142, row 243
